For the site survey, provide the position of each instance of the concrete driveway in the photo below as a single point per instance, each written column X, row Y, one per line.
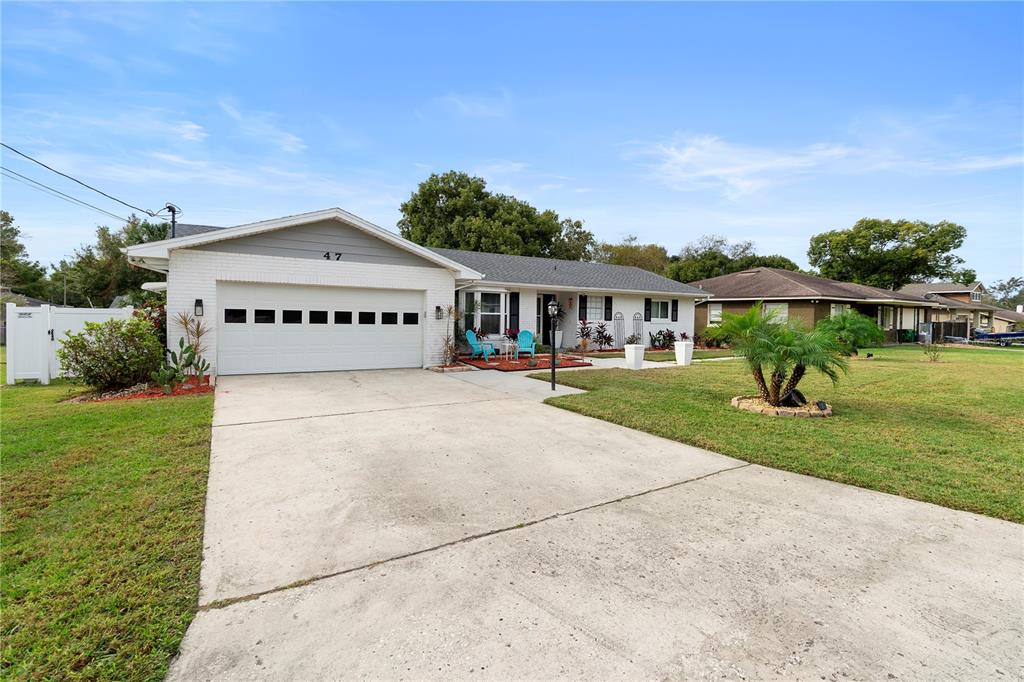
column 404, row 524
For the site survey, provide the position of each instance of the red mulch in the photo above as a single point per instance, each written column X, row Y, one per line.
column 154, row 391
column 502, row 365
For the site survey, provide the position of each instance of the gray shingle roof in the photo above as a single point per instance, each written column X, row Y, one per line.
column 758, row 283
column 190, row 229
column 498, row 267
column 923, row 288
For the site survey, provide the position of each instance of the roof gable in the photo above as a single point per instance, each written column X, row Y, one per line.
column 144, row 254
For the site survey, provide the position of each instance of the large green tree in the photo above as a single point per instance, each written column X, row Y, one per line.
column 890, row 253
column 97, row 273
column 1007, row 293
column 17, row 272
column 629, row 251
column 456, row 211
column 712, row 255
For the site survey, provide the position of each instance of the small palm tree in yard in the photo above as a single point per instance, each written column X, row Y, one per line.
column 780, row 353
column 854, row 331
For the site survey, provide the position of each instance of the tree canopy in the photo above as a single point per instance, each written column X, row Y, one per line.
column 712, row 255
column 17, row 272
column 1007, row 293
column 890, row 253
column 455, row 210
column 629, row 251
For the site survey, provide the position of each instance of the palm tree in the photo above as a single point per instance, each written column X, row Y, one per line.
column 783, row 349
column 854, row 331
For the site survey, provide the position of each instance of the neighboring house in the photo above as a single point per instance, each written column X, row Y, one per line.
column 330, row 291
column 1007, row 321
column 956, row 302
column 810, row 299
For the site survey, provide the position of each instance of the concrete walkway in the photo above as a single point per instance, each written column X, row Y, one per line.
column 405, row 524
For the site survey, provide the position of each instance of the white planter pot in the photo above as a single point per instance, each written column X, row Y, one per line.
column 684, row 352
column 634, row 355
column 558, row 338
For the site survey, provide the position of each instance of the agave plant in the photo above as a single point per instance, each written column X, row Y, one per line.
column 779, row 354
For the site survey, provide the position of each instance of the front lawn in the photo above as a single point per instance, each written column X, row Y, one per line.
column 101, row 532
column 950, row 432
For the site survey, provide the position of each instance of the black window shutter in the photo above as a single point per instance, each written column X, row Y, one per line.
column 647, row 310
column 675, row 309
column 513, row 310
column 607, row 308
column 583, row 307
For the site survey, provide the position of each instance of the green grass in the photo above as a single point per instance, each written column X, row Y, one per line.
column 102, row 521
column 951, row 432
column 670, row 355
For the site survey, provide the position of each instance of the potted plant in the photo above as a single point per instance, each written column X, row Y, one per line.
column 634, row 352
column 684, row 349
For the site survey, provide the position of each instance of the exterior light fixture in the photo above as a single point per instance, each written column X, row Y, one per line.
column 199, row 307
column 438, row 313
column 553, row 314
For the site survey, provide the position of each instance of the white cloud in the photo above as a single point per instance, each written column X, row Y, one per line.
column 706, row 161
column 701, row 162
column 476, row 106
column 259, row 125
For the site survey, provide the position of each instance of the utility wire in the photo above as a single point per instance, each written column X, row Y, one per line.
column 18, row 177
column 49, row 168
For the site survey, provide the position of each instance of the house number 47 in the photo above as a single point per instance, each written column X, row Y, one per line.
column 329, row 254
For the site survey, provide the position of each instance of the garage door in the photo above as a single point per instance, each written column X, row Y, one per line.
column 266, row 328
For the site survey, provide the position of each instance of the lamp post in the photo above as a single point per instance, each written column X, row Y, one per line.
column 553, row 314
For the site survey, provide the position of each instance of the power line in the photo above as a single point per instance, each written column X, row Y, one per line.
column 35, row 184
column 49, row 168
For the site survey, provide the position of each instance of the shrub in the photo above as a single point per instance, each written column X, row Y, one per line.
column 112, row 354
column 632, row 339
column 854, row 331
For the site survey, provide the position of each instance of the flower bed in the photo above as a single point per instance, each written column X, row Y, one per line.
column 144, row 390
column 756, row 404
column 520, row 365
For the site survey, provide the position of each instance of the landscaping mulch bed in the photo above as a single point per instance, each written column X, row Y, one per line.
column 759, row 406
column 144, row 390
column 543, row 362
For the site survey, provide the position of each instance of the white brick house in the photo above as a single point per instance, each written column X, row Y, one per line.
column 329, row 291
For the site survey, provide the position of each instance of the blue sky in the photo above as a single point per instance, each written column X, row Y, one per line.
column 669, row 121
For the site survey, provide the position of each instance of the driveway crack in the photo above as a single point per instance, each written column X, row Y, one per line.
column 230, row 601
column 351, row 412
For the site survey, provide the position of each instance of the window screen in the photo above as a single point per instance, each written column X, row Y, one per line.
column 595, row 308
column 291, row 317
column 714, row 313
column 234, row 315
column 659, row 310
column 263, row 316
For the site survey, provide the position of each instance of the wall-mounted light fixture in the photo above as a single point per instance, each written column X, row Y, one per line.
column 438, row 313
column 199, row 307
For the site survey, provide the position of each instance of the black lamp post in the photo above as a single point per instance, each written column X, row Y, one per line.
column 553, row 314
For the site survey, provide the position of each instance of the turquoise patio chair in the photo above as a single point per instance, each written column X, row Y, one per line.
column 526, row 344
column 478, row 348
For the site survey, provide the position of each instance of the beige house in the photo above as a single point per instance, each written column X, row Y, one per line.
column 810, row 299
column 957, row 302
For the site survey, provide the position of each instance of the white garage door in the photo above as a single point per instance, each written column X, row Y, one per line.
column 282, row 328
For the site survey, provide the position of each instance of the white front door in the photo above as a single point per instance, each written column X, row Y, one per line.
column 264, row 328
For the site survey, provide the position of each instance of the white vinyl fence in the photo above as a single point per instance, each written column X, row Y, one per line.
column 35, row 332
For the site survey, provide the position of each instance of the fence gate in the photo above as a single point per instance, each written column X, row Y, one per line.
column 35, row 333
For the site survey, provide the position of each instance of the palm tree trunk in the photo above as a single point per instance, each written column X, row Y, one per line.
column 794, row 379
column 762, row 386
column 773, row 391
